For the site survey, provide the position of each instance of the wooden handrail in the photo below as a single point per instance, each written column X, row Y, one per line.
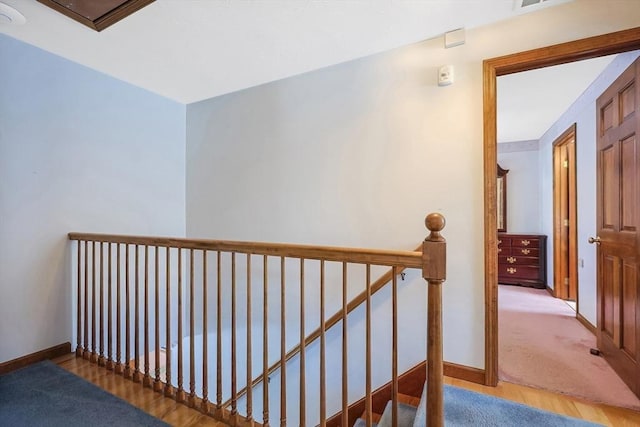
column 434, row 272
column 430, row 258
column 330, row 322
column 409, row 259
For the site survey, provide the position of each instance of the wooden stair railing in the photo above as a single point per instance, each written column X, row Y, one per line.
column 356, row 302
column 129, row 292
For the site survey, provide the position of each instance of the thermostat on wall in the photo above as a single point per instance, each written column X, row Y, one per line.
column 445, row 75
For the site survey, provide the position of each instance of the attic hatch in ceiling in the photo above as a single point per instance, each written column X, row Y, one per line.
column 96, row 14
column 531, row 5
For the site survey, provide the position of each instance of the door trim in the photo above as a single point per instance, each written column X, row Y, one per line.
column 565, row 221
column 592, row 47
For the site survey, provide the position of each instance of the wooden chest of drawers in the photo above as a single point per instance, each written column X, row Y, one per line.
column 522, row 259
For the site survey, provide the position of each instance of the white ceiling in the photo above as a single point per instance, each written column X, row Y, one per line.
column 190, row 50
column 530, row 102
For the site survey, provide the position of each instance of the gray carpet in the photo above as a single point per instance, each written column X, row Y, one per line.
column 46, row 395
column 467, row 408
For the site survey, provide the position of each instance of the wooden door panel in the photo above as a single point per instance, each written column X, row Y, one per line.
column 610, row 195
column 627, row 101
column 618, row 221
column 606, row 116
column 629, row 307
column 628, row 187
column 609, row 279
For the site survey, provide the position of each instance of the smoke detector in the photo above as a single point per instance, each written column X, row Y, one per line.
column 10, row 16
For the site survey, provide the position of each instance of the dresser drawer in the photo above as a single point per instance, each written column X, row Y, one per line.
column 525, row 242
column 504, row 251
column 514, row 259
column 533, row 252
column 504, row 242
column 526, row 272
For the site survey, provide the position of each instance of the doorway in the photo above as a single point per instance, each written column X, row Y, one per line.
column 618, row 42
column 565, row 221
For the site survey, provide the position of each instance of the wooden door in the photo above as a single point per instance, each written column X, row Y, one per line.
column 618, row 163
column 565, row 236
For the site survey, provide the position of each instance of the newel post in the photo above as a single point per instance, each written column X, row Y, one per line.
column 434, row 260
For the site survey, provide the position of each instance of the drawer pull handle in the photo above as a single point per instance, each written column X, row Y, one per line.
column 499, row 250
column 526, row 251
column 511, row 270
column 526, row 243
column 511, row 259
column 499, row 241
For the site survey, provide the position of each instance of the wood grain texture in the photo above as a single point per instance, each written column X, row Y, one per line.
column 410, row 383
column 586, row 323
column 94, row 15
column 587, row 48
column 408, row 259
column 328, row 323
column 155, row 404
column 29, row 359
column 565, row 220
column 431, row 260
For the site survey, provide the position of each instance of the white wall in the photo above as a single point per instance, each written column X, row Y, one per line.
column 583, row 113
column 358, row 153
column 523, row 191
column 79, row 151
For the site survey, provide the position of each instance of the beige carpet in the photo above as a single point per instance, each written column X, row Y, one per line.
column 543, row 345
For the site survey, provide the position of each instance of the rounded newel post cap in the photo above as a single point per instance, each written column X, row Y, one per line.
column 435, row 222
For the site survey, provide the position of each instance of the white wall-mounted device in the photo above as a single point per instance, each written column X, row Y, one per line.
column 454, row 38
column 445, row 75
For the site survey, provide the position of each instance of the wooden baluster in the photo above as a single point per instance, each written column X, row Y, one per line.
column 303, row 392
column 119, row 369
column 192, row 335
column 147, row 381
column 219, row 336
column 368, row 385
column 101, row 361
column 137, row 375
column 94, row 352
column 79, row 313
column 206, row 407
column 283, row 349
column 127, row 320
column 169, row 390
column 323, row 387
column 181, row 395
column 86, row 354
column 394, row 347
column 110, row 363
column 434, row 272
column 234, row 390
column 265, row 343
column 345, row 386
column 157, row 384
column 249, row 414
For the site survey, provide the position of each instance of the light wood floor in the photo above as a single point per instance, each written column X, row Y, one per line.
column 558, row 403
column 146, row 399
column 179, row 415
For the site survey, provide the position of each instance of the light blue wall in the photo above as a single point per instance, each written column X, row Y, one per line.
column 523, row 191
column 583, row 113
column 79, row 151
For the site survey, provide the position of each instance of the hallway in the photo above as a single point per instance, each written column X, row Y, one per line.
column 543, row 345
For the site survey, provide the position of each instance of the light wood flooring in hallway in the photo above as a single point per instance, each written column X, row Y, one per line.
column 179, row 415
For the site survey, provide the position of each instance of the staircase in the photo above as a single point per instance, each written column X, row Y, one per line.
column 215, row 313
column 408, row 414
